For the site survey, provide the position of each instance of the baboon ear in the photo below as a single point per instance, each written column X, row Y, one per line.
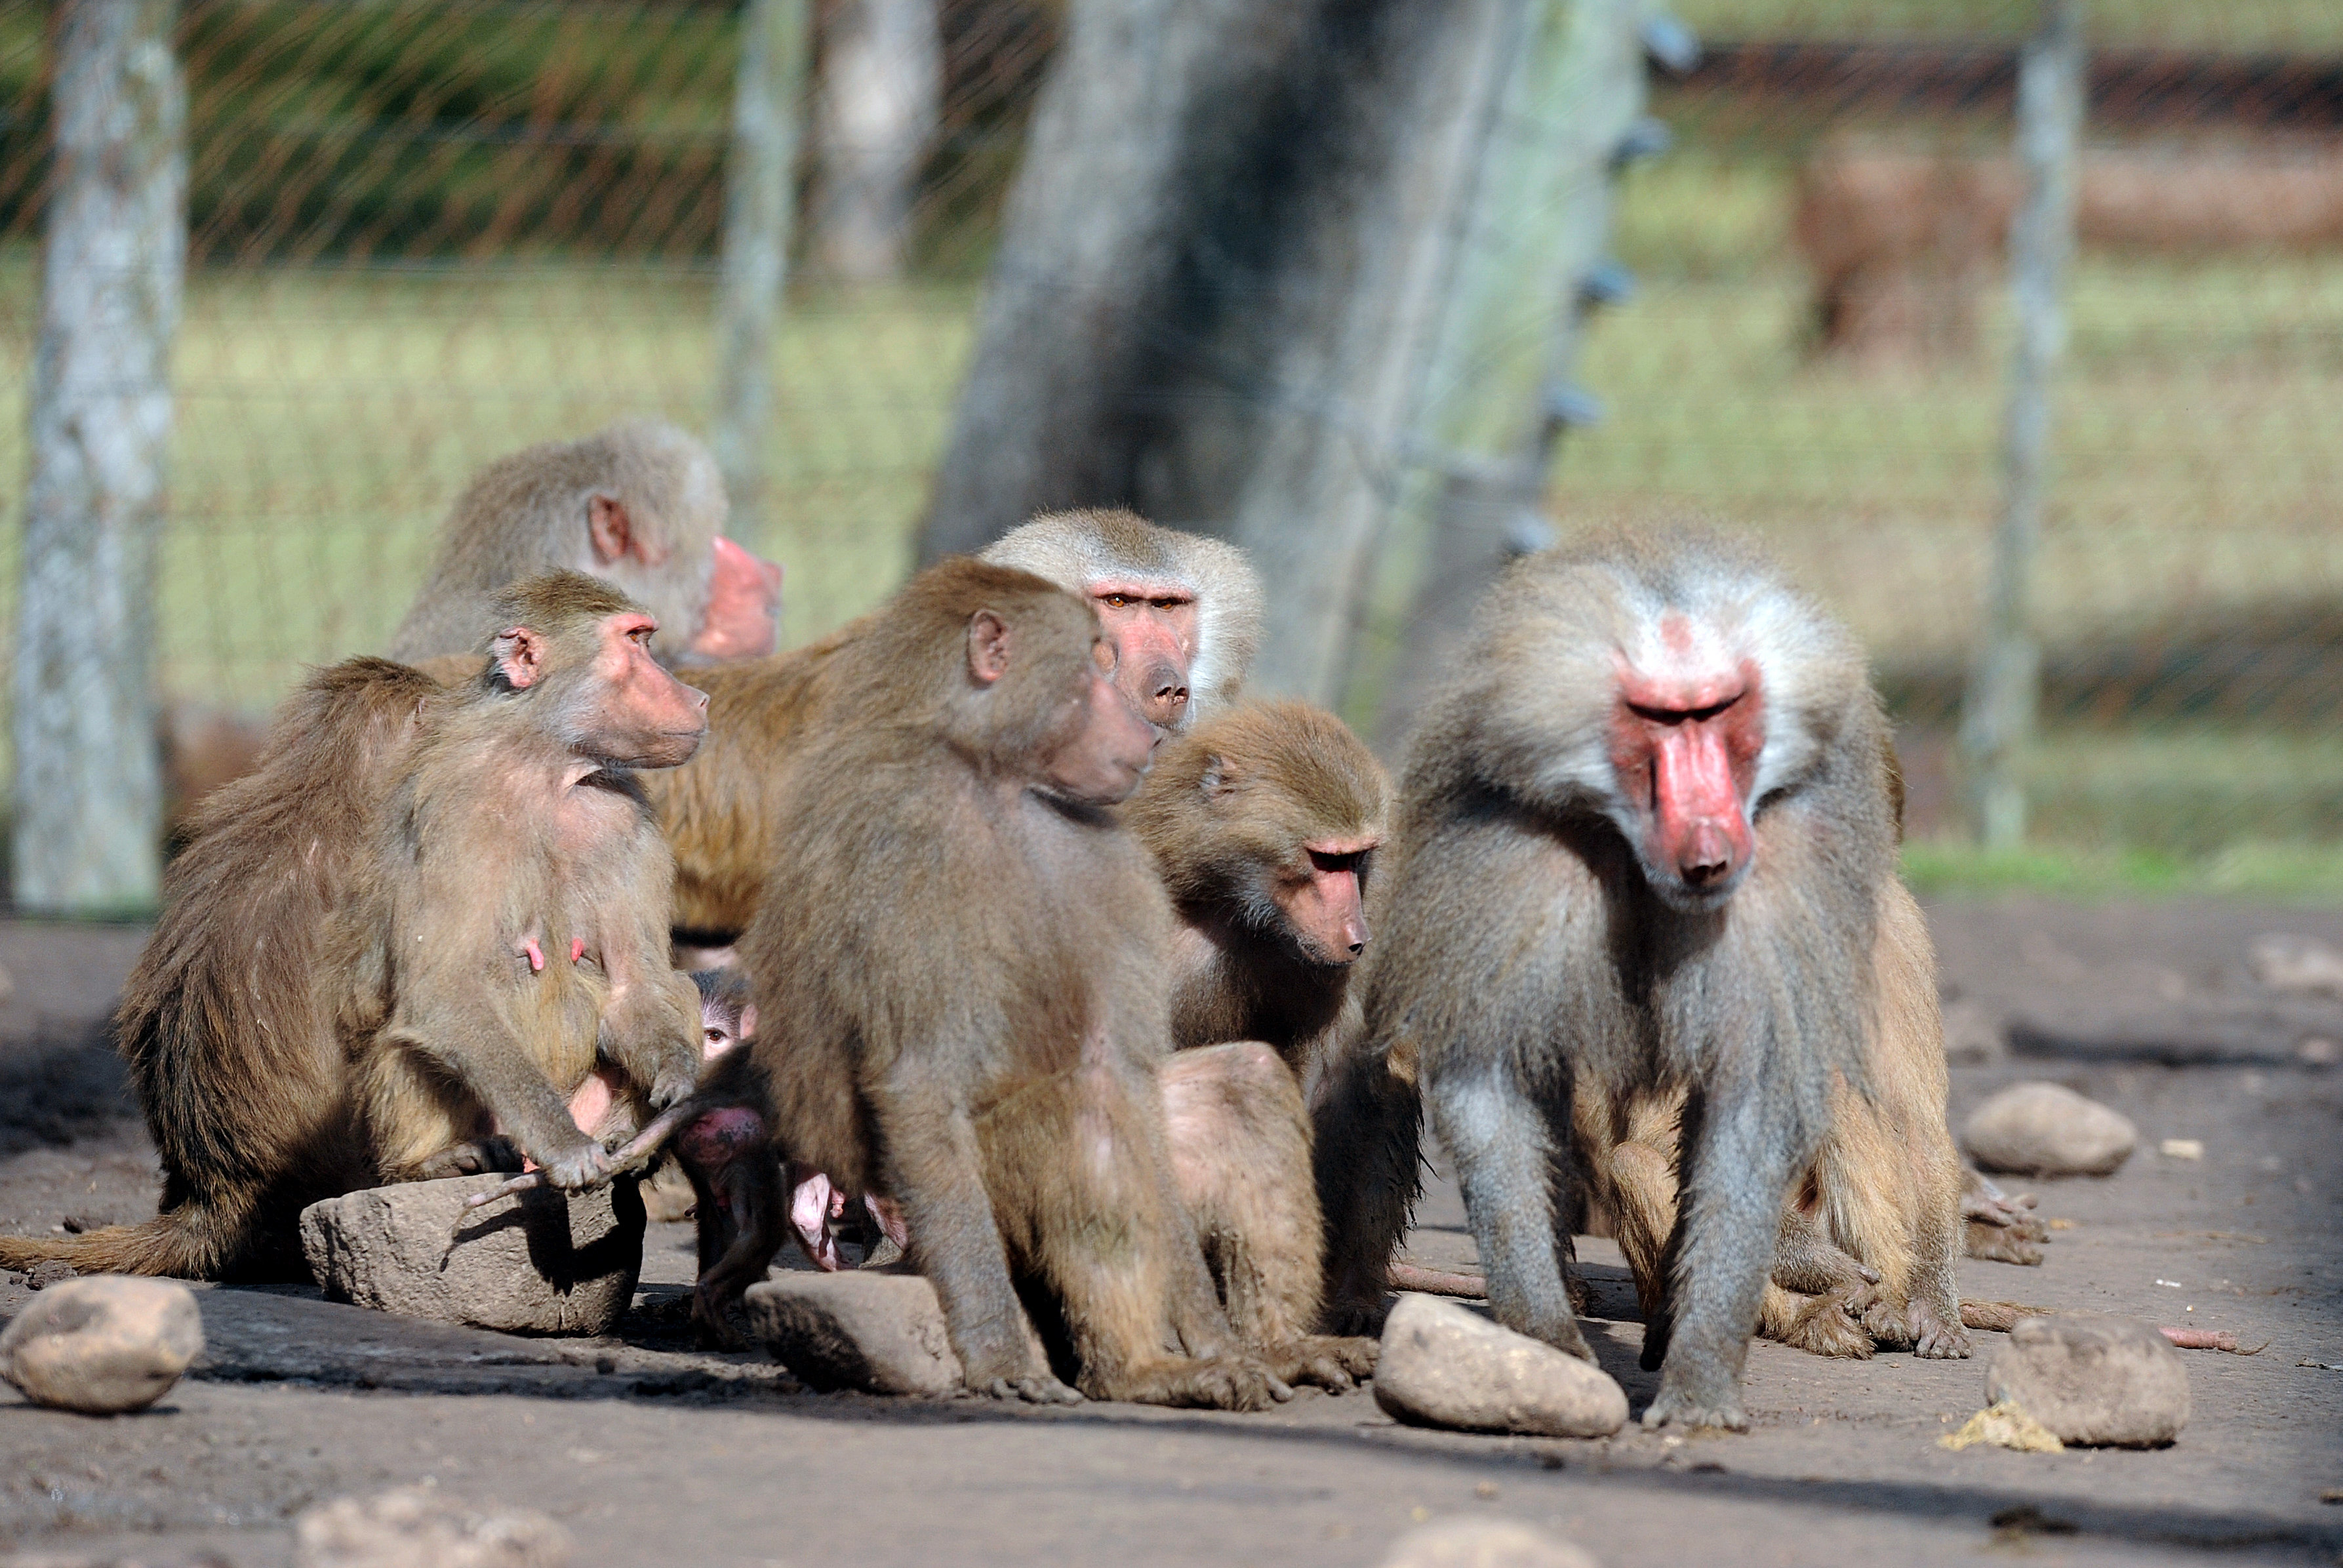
column 607, row 525
column 748, row 1021
column 519, row 655
column 1220, row 779
column 987, row 648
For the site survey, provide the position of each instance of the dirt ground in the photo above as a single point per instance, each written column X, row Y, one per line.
column 654, row 1453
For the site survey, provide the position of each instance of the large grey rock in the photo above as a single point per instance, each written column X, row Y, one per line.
column 103, row 1345
column 538, row 1262
column 2048, row 1129
column 880, row 1333
column 415, row 1528
column 2094, row 1380
column 1444, row 1365
column 1483, row 1543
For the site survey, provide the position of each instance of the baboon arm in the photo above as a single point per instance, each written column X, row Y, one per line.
column 473, row 1043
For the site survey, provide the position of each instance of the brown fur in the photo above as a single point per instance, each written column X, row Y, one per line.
column 278, row 1051
column 1226, row 812
column 962, row 1002
column 528, row 513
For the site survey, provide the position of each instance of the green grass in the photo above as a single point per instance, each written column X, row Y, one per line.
column 328, row 415
column 2309, row 26
column 2278, row 870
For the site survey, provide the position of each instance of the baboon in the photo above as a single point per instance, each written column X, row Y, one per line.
column 640, row 504
column 1182, row 613
column 1643, row 845
column 728, row 1016
column 997, row 1076
column 1263, row 823
column 397, row 948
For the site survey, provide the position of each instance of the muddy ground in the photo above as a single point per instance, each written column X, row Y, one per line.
column 655, row 1454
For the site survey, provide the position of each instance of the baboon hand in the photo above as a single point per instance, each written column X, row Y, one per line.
column 674, row 1085
column 582, row 1165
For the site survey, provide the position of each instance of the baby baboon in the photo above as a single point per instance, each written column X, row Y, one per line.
column 960, row 977
column 640, row 504
column 1643, row 843
column 402, row 936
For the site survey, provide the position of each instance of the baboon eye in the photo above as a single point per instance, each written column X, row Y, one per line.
column 1334, row 863
column 1117, row 601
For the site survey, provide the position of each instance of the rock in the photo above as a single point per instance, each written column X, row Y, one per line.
column 2095, row 1382
column 415, row 1528
column 103, row 1345
column 49, row 1271
column 2298, row 965
column 2048, row 1129
column 1973, row 1036
column 1446, row 1365
column 880, row 1333
column 2182, row 1149
column 538, row 1262
column 1483, row 1543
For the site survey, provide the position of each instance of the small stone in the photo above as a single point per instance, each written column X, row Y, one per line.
column 2298, row 965
column 2318, row 1051
column 103, row 1345
column 2048, row 1129
column 2095, row 1381
column 1444, row 1365
column 880, row 1333
column 538, row 1262
column 1973, row 1036
column 49, row 1271
column 415, row 1528
column 2181, row 1149
column 1483, row 1543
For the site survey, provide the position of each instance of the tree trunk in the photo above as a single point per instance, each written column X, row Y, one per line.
column 767, row 96
column 87, row 832
column 883, row 73
column 1500, row 393
column 1225, row 278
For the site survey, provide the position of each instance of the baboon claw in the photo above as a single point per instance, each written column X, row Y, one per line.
column 1032, row 1391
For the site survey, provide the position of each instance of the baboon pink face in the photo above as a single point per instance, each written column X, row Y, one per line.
column 744, row 598
column 1152, row 626
column 1326, row 906
column 1684, row 744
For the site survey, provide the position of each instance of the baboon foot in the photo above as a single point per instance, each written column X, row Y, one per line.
column 1691, row 1411
column 1919, row 1327
column 1197, row 1383
column 1827, row 1326
column 2004, row 1244
column 711, row 1324
column 474, row 1157
column 1333, row 1362
column 1561, row 1333
column 1039, row 1387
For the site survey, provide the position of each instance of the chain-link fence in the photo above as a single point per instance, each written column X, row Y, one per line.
column 423, row 233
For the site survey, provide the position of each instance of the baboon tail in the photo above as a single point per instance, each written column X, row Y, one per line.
column 190, row 1242
column 1999, row 1316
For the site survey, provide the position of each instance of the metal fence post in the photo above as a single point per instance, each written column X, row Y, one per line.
column 1997, row 712
column 87, row 832
column 759, row 195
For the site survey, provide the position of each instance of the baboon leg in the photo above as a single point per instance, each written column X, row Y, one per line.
column 1503, row 1148
column 1367, row 1118
column 1106, row 1233
column 1822, row 1325
column 473, row 1157
column 1240, row 1157
column 1643, row 1213
column 1735, row 1168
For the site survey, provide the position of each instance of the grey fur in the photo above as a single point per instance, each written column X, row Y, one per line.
column 1075, row 550
column 1524, row 950
column 672, row 492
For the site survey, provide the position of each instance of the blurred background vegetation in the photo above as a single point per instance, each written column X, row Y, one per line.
column 425, row 232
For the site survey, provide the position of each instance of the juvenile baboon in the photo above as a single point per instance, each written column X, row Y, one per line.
column 1182, row 613
column 640, row 504
column 1642, row 844
column 1263, row 823
column 997, row 1076
column 394, row 950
